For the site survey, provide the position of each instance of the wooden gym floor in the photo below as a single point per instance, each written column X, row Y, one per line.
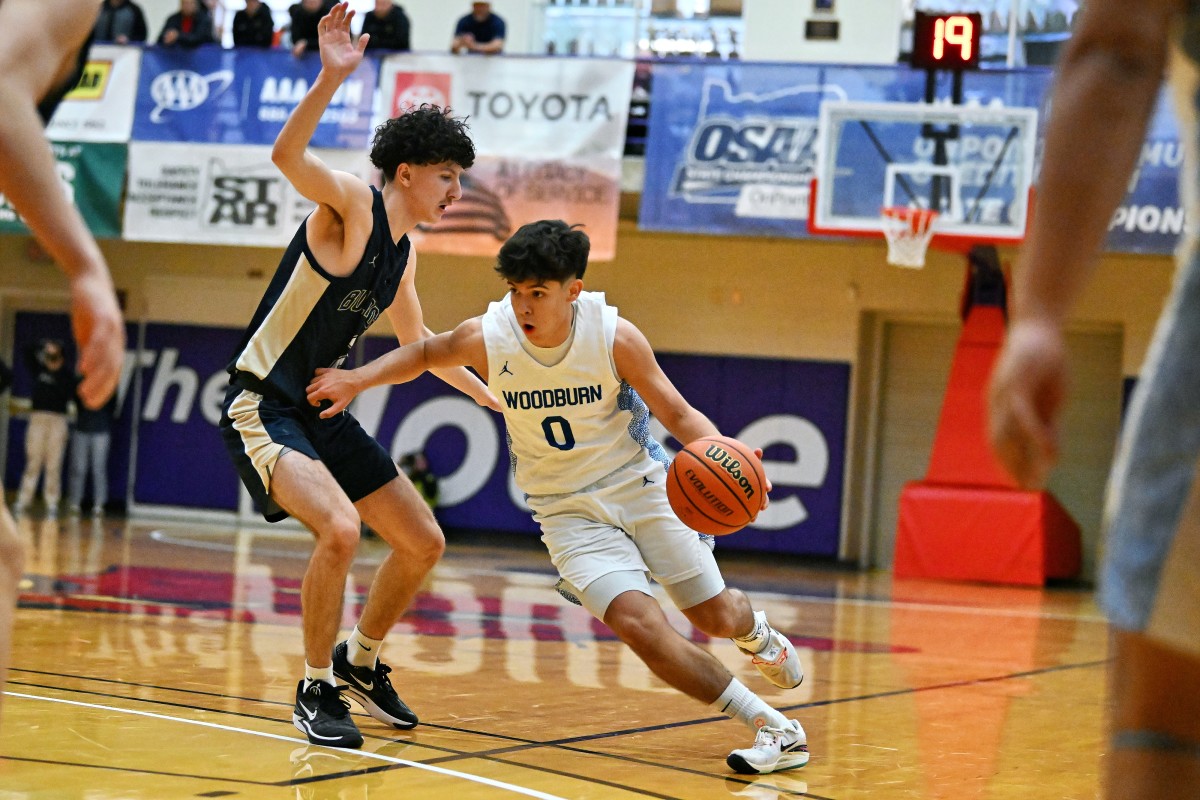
column 159, row 660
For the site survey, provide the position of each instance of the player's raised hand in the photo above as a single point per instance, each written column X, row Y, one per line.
column 339, row 52
column 1028, row 387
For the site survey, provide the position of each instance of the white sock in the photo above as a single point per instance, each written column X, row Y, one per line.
column 738, row 702
column 312, row 673
column 362, row 651
column 757, row 638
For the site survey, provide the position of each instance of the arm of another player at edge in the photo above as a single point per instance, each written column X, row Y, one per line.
column 453, row 350
column 1114, row 60
column 636, row 365
column 39, row 43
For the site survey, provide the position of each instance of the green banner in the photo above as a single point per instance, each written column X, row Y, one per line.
column 93, row 175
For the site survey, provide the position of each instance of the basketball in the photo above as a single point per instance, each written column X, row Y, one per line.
column 715, row 485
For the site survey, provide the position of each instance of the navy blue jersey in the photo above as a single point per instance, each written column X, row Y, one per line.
column 309, row 318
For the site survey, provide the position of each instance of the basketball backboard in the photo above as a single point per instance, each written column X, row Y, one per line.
column 974, row 165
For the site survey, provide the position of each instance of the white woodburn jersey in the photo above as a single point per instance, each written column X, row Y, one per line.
column 572, row 423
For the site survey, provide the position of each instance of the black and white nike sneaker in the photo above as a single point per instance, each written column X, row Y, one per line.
column 372, row 688
column 323, row 715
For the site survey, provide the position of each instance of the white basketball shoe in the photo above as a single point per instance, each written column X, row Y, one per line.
column 775, row 658
column 774, row 749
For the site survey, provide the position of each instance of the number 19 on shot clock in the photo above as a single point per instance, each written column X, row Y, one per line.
column 946, row 41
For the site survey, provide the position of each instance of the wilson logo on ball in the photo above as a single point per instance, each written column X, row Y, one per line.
column 732, row 466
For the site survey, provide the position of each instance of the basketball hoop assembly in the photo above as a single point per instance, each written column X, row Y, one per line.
column 923, row 175
column 908, row 232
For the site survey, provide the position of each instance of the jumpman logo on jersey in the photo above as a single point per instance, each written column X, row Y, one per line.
column 505, row 369
column 646, row 480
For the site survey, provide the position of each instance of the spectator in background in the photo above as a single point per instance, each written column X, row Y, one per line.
column 120, row 21
column 303, row 26
column 481, row 31
column 190, row 26
column 253, row 26
column 388, row 27
column 416, row 467
column 46, row 435
column 89, row 448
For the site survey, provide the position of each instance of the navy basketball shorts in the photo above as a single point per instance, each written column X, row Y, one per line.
column 257, row 430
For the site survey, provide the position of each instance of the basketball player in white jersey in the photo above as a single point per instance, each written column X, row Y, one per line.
column 1106, row 89
column 577, row 384
column 43, row 48
column 350, row 261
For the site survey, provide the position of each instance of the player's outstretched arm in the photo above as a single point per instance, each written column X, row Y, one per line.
column 408, row 320
column 39, row 45
column 458, row 348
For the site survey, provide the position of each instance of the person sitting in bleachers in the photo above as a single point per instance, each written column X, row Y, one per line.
column 190, row 26
column 253, row 26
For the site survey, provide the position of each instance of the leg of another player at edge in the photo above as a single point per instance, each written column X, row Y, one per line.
column 12, row 555
column 639, row 621
column 1155, row 751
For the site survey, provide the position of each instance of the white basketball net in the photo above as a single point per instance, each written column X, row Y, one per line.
column 908, row 232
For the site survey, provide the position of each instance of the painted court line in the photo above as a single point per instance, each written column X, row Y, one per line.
column 366, row 754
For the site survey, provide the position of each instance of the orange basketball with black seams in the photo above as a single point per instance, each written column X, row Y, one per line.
column 715, row 485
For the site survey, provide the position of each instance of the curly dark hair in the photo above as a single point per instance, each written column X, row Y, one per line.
column 420, row 136
column 548, row 249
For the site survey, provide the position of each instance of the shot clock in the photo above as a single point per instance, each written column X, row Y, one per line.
column 946, row 41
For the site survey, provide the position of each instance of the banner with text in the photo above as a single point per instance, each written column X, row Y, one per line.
column 218, row 194
column 92, row 175
column 100, row 107
column 549, row 135
column 794, row 410
column 244, row 95
column 721, row 134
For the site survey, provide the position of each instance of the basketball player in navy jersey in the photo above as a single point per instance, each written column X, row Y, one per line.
column 43, row 48
column 349, row 262
column 1104, row 93
column 577, row 384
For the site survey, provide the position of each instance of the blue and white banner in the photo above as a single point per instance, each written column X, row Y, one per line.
column 243, row 96
column 1151, row 216
column 715, row 129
